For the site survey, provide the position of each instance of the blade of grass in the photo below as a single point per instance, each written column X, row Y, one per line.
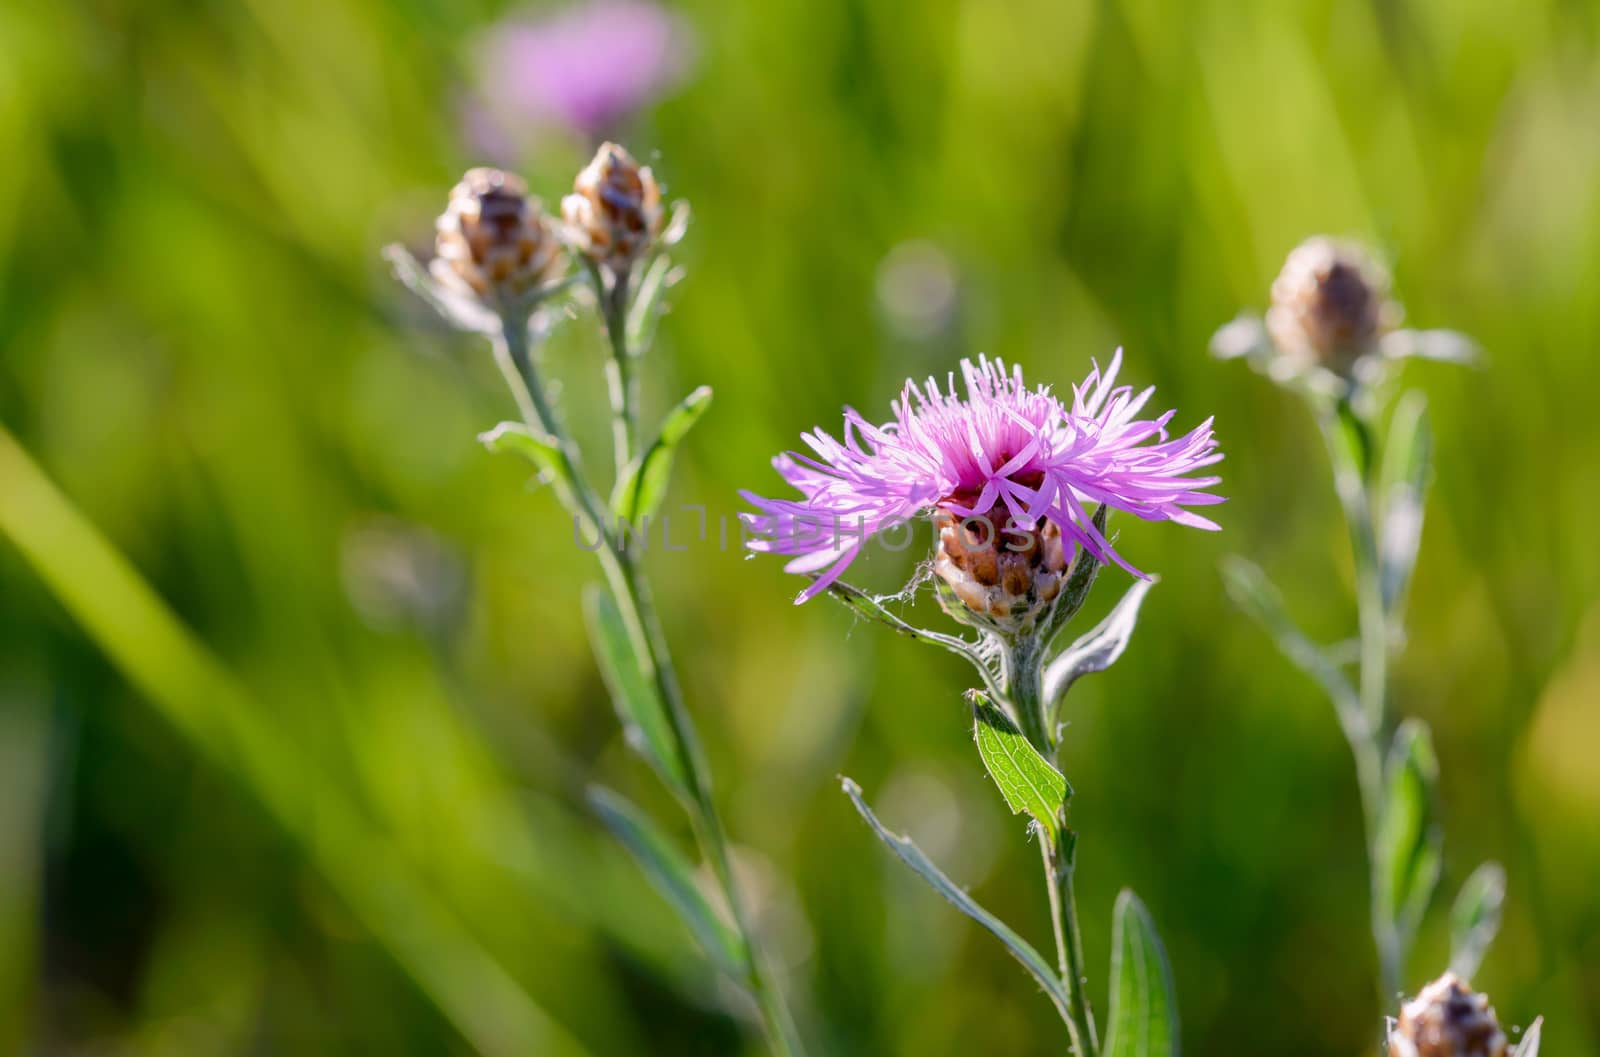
column 203, row 701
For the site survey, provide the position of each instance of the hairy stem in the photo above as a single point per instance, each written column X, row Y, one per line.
column 629, row 587
column 1353, row 484
column 620, row 378
column 1024, row 692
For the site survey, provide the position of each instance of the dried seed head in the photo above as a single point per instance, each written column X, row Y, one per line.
column 1004, row 576
column 1447, row 1019
column 614, row 212
column 1330, row 305
column 493, row 239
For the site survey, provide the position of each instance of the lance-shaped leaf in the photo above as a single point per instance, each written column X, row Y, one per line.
column 1444, row 346
column 1403, row 482
column 649, row 302
column 1259, row 598
column 1244, row 336
column 1353, row 446
column 1099, row 647
column 913, row 857
column 643, row 485
column 633, row 692
column 1028, row 781
column 672, row 876
column 1529, row 1046
column 1475, row 918
column 873, row 609
column 1144, row 1013
column 1408, row 839
column 462, row 312
column 537, row 448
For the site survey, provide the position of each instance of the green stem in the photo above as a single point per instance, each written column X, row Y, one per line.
column 630, row 589
column 620, row 378
column 1354, row 487
column 1024, row 692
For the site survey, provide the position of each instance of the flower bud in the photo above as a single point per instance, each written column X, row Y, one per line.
column 1004, row 576
column 1447, row 1019
column 492, row 239
column 614, row 212
column 1330, row 305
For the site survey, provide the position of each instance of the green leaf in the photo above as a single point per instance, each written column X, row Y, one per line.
column 873, row 609
column 1099, row 647
column 1353, row 440
column 1475, row 918
column 913, row 857
column 643, row 485
column 537, row 448
column 462, row 312
column 1529, row 1046
column 1144, row 1013
column 1256, row 595
column 671, row 875
column 1408, row 839
column 633, row 692
column 648, row 303
column 1403, row 483
column 1030, row 784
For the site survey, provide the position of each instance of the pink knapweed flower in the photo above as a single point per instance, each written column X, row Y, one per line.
column 587, row 67
column 1003, row 452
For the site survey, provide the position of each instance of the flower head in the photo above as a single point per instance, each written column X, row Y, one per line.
column 588, row 67
column 1009, row 458
column 494, row 239
column 1330, row 306
column 1447, row 1019
column 614, row 211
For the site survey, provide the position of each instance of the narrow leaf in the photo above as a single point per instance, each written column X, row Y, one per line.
column 1475, row 918
column 1256, row 595
column 1529, row 1046
column 537, row 448
column 1444, row 346
column 1244, row 336
column 873, row 609
column 643, row 486
column 1030, row 784
column 1144, row 1012
column 457, row 310
column 1098, row 648
column 1403, row 482
column 1408, row 840
column 913, row 857
column 1353, row 442
column 672, row 876
column 649, row 303
column 638, row 703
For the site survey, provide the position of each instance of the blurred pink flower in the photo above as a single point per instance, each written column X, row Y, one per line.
column 587, row 67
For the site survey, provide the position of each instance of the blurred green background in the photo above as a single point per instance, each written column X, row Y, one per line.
column 368, row 836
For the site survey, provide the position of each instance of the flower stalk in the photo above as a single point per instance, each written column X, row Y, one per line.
column 498, row 263
column 709, row 832
column 1330, row 337
column 1340, row 424
column 1024, row 687
column 1005, row 473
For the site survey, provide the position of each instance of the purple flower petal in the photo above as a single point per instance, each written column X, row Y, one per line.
column 1000, row 448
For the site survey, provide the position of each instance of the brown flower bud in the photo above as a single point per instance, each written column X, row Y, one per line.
column 493, row 239
column 1447, row 1019
column 1330, row 305
column 614, row 212
column 1004, row 575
